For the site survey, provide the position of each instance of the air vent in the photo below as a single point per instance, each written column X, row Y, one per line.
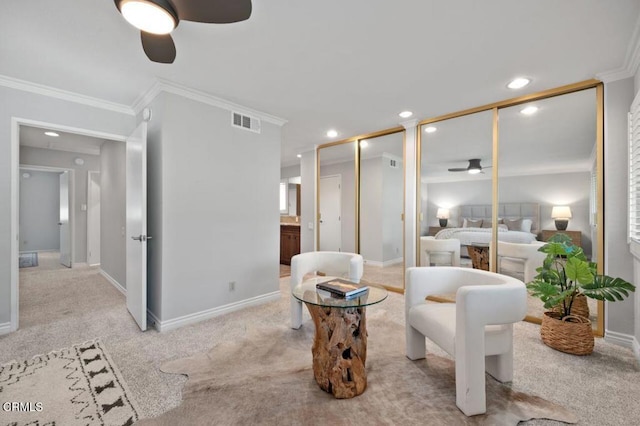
column 393, row 164
column 245, row 122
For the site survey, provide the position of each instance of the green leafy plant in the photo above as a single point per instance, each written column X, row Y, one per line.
column 566, row 273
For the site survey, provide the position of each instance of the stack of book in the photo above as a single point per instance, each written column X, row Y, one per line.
column 343, row 288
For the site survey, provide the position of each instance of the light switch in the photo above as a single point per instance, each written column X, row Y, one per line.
column 83, row 207
column 122, row 231
column 310, row 225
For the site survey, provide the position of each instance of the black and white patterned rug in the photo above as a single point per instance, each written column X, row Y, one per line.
column 79, row 385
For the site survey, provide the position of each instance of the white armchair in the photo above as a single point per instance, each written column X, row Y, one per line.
column 477, row 330
column 439, row 252
column 520, row 260
column 331, row 263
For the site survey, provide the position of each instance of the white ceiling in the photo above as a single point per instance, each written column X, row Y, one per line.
column 349, row 65
column 70, row 142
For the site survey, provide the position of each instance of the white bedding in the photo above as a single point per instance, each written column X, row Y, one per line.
column 468, row 236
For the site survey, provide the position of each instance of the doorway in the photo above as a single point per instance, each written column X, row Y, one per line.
column 330, row 213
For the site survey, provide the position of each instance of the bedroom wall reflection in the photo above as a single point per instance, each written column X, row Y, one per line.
column 381, row 208
column 456, row 181
column 547, row 158
column 337, row 198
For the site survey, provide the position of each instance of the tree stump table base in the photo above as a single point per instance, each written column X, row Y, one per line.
column 340, row 349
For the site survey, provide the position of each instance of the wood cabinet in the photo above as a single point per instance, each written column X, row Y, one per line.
column 289, row 243
column 576, row 236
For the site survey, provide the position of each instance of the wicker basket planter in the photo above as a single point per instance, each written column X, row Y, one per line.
column 580, row 306
column 572, row 334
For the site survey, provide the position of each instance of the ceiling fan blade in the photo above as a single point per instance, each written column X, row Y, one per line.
column 213, row 11
column 458, row 169
column 159, row 48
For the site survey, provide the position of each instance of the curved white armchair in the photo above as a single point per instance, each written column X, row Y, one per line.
column 477, row 330
column 332, row 263
column 439, row 252
column 520, row 259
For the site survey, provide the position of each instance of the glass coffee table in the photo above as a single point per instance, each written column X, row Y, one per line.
column 340, row 343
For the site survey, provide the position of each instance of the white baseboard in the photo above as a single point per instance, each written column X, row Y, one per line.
column 152, row 320
column 113, row 282
column 621, row 339
column 636, row 349
column 385, row 263
column 5, row 328
column 213, row 312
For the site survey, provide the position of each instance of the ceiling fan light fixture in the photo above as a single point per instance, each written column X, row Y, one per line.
column 474, row 171
column 155, row 17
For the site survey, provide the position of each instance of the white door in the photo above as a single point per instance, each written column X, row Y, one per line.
column 63, row 222
column 136, row 233
column 330, row 211
column 93, row 219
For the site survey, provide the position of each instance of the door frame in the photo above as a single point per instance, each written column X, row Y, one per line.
column 16, row 122
column 90, row 234
column 339, row 176
column 72, row 200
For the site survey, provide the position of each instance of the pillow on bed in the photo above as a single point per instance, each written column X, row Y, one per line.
column 513, row 224
column 472, row 223
column 486, row 223
column 503, row 227
column 526, row 225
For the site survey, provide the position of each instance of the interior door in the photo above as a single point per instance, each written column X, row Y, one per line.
column 330, row 211
column 93, row 219
column 136, row 241
column 63, row 221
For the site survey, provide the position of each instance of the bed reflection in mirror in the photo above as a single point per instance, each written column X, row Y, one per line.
column 456, row 190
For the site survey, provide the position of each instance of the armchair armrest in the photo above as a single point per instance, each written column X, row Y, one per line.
column 495, row 304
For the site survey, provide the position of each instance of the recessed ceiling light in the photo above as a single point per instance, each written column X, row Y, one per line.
column 518, row 83
column 405, row 114
column 26, row 175
column 52, row 134
column 299, row 155
column 332, row 133
column 364, row 143
column 430, row 129
column 148, row 16
column 531, row 109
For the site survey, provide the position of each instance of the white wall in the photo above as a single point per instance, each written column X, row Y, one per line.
column 53, row 158
column 113, row 211
column 392, row 208
column 619, row 316
column 308, row 201
column 371, row 214
column 290, row 172
column 31, row 106
column 220, row 216
column 39, row 211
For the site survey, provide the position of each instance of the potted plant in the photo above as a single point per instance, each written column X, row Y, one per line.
column 566, row 274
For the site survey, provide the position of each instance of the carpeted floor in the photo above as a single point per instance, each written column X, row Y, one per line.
column 64, row 307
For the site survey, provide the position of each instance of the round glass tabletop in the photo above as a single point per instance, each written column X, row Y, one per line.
column 307, row 293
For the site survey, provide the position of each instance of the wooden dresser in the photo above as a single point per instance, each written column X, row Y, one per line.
column 289, row 243
column 433, row 230
column 576, row 236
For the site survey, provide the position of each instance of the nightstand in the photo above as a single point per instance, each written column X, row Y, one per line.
column 576, row 236
column 433, row 230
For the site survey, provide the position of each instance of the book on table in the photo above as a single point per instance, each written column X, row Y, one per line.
column 342, row 288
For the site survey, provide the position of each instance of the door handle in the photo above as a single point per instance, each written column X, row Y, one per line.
column 142, row 238
column 59, row 223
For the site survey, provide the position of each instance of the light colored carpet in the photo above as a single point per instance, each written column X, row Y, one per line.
column 276, row 361
column 89, row 389
column 602, row 389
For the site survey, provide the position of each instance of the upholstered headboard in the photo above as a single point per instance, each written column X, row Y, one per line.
column 529, row 211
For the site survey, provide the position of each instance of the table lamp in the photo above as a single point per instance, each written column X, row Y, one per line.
column 561, row 214
column 443, row 215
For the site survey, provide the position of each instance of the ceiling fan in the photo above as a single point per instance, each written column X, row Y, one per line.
column 473, row 168
column 156, row 19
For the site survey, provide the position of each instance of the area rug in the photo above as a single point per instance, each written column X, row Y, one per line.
column 267, row 378
column 27, row 260
column 83, row 387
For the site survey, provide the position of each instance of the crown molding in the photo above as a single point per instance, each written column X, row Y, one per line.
column 631, row 60
column 40, row 89
column 166, row 86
